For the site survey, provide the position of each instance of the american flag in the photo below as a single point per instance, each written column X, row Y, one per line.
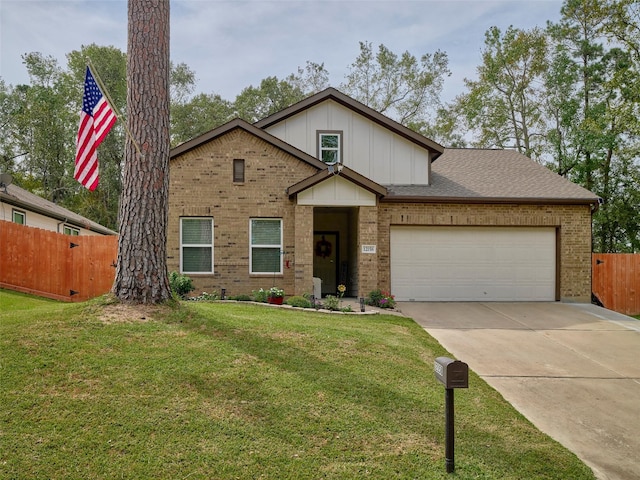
column 96, row 119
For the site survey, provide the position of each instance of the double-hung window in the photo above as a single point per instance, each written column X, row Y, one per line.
column 330, row 147
column 196, row 245
column 266, row 246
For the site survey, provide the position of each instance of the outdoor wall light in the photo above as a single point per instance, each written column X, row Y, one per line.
column 335, row 168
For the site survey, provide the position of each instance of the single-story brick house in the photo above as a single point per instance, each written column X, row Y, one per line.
column 330, row 189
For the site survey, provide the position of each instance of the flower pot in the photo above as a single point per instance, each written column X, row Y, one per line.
column 275, row 300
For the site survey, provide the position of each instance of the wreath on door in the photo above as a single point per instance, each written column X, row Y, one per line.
column 323, row 248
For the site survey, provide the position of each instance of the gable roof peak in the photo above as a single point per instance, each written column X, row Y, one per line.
column 337, row 96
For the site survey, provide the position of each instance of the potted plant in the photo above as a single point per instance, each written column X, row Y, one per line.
column 275, row 295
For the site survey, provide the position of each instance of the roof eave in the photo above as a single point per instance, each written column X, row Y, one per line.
column 489, row 200
column 241, row 124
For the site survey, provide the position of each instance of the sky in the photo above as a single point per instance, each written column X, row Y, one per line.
column 232, row 44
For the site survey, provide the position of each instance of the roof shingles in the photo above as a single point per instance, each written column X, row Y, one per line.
column 500, row 175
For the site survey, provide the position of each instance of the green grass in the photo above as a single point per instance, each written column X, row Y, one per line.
column 226, row 391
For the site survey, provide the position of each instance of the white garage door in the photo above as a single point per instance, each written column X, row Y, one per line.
column 473, row 263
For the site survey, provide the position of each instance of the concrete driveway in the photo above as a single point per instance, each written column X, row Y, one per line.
column 572, row 369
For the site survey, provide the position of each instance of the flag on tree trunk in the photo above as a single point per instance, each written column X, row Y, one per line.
column 96, row 119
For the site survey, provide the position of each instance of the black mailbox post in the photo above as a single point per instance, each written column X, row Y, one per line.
column 452, row 374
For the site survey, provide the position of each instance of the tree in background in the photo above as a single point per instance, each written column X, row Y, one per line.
column 10, row 104
column 594, row 95
column 503, row 107
column 198, row 115
column 401, row 87
column 40, row 126
column 273, row 95
column 141, row 274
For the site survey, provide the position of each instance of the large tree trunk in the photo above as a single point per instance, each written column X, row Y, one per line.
column 141, row 275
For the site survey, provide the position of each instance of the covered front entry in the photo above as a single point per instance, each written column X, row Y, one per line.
column 331, row 248
column 334, row 248
column 439, row 263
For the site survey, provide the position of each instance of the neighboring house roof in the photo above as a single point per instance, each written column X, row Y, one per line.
column 241, row 124
column 360, row 108
column 21, row 198
column 491, row 176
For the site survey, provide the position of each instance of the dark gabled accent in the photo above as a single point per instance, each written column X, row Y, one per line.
column 360, row 108
column 247, row 127
column 347, row 173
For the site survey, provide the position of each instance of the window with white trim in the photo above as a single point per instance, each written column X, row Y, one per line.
column 196, row 245
column 67, row 230
column 330, row 147
column 266, row 246
column 19, row 217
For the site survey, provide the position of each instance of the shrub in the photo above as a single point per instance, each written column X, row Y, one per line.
column 381, row 299
column 331, row 302
column 241, row 298
column 206, row 297
column 260, row 295
column 298, row 301
column 181, row 285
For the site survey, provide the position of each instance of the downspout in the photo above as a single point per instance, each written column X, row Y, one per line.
column 61, row 223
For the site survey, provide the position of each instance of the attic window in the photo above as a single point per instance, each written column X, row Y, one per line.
column 330, row 146
column 238, row 170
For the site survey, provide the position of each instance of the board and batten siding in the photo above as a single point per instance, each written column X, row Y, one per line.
column 336, row 192
column 368, row 148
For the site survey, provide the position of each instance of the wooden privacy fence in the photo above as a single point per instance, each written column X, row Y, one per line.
column 616, row 281
column 53, row 265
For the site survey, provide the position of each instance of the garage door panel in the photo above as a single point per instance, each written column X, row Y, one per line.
column 473, row 263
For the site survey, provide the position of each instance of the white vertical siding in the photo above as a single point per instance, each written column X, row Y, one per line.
column 368, row 148
column 336, row 191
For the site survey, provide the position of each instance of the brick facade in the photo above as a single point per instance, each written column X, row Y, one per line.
column 201, row 184
column 573, row 223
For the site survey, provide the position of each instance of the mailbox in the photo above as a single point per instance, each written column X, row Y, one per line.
column 451, row 373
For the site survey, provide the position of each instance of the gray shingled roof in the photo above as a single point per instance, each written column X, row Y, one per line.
column 21, row 198
column 477, row 175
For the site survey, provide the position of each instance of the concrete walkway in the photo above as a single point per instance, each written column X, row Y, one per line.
column 572, row 369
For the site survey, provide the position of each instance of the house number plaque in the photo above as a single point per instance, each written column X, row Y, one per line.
column 368, row 249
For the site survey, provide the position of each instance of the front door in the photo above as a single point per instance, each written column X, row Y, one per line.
column 326, row 260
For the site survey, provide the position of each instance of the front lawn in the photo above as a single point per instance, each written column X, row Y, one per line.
column 223, row 391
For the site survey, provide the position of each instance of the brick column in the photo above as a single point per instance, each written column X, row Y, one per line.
column 367, row 262
column 303, row 261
